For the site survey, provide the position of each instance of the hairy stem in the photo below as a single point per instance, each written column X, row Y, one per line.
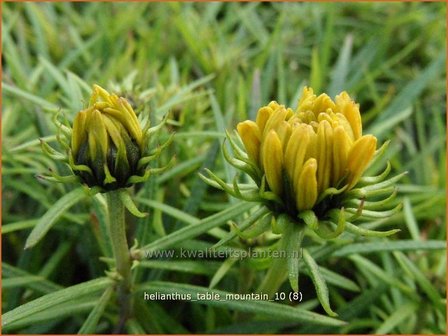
column 117, row 231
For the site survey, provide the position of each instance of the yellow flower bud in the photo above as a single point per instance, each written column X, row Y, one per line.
column 107, row 141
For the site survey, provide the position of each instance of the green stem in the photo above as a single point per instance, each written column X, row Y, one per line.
column 286, row 266
column 276, row 275
column 117, row 231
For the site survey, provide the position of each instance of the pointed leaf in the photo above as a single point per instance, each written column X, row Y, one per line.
column 53, row 214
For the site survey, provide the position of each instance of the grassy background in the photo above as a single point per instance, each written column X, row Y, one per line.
column 212, row 65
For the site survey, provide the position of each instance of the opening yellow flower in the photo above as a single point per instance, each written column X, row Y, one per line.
column 302, row 153
column 308, row 168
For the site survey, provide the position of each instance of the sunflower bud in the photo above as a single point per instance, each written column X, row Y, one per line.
column 106, row 147
column 106, row 142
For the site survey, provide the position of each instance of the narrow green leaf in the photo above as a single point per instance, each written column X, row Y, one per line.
column 410, row 220
column 338, row 280
column 21, row 281
column 293, row 236
column 53, row 214
column 135, row 328
column 9, row 89
column 43, row 286
column 426, row 286
column 319, row 283
column 399, row 245
column 201, row 227
column 56, row 313
column 340, row 71
column 413, row 89
column 381, row 127
column 316, row 75
column 57, row 75
column 89, row 325
column 398, row 316
column 273, row 310
column 186, row 266
column 222, row 271
column 183, row 168
column 247, row 222
column 17, row 226
column 366, row 266
column 50, row 300
column 171, row 211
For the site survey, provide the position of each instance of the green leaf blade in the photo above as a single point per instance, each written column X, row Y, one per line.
column 53, row 214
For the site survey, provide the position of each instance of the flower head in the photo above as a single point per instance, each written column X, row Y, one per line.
column 302, row 153
column 307, row 166
column 308, row 163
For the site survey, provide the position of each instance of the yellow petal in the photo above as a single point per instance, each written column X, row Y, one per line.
column 324, row 116
column 322, row 103
column 307, row 138
column 79, row 134
column 311, row 151
column 274, row 105
column 135, row 129
column 307, row 100
column 273, row 161
column 324, row 155
column 276, row 119
column 359, row 157
column 307, row 187
column 350, row 110
column 98, row 140
column 99, row 92
column 250, row 135
column 342, row 121
column 341, row 147
column 284, row 133
column 127, row 119
column 262, row 117
column 113, row 129
column 289, row 113
column 296, row 150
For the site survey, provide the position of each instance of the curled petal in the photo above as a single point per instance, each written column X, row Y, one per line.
column 359, row 157
column 262, row 117
column 97, row 136
column 350, row 110
column 322, row 103
column 341, row 148
column 307, row 100
column 307, row 187
column 275, row 121
column 296, row 150
column 79, row 134
column 273, row 161
column 284, row 133
column 250, row 135
column 324, row 155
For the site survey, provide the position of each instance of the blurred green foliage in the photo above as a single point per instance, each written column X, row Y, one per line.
column 211, row 65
